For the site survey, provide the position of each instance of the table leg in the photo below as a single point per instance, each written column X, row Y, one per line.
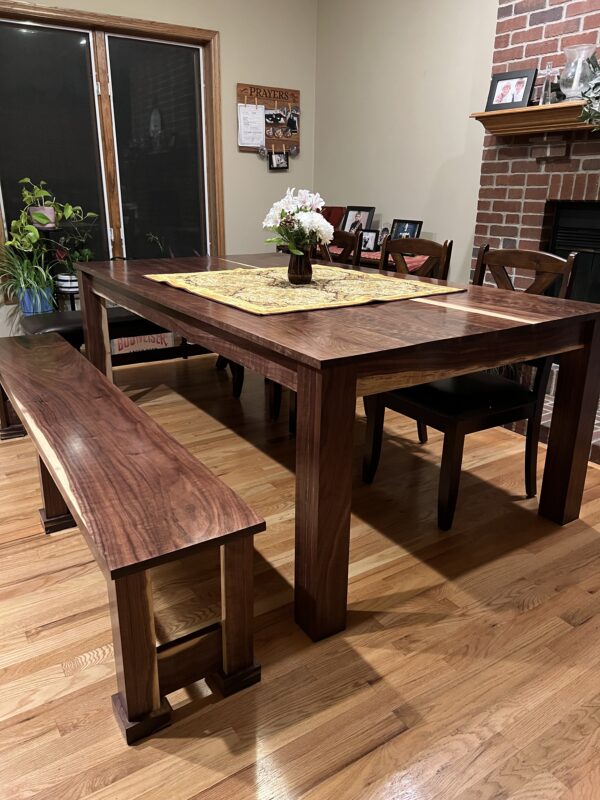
column 573, row 420
column 95, row 326
column 326, row 409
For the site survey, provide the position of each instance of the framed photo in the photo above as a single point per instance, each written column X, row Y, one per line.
column 358, row 215
column 511, row 89
column 385, row 231
column 279, row 160
column 406, row 228
column 370, row 240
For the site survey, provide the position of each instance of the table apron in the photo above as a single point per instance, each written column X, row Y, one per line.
column 247, row 354
column 449, row 359
column 435, row 361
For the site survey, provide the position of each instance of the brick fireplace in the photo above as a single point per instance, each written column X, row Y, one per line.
column 524, row 178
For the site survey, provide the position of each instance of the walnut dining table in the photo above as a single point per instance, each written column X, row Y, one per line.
column 330, row 357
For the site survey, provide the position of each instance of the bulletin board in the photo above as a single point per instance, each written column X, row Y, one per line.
column 282, row 115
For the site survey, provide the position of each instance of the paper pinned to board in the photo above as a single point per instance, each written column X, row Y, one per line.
column 251, row 125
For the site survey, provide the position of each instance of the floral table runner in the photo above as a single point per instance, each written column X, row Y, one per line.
column 266, row 290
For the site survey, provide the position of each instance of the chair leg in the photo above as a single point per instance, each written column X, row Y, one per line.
column 375, row 411
column 293, row 413
column 237, row 373
column 450, row 477
column 274, row 394
column 239, row 668
column 221, row 362
column 422, row 432
column 531, row 453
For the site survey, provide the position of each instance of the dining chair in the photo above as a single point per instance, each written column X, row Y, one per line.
column 334, row 214
column 476, row 402
column 436, row 257
column 344, row 248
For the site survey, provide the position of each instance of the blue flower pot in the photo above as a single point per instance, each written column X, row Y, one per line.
column 36, row 302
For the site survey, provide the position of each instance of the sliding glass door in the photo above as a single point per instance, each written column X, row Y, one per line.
column 48, row 128
column 157, row 104
column 145, row 175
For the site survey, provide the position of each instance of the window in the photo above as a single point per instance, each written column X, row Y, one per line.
column 156, row 93
column 147, row 159
column 49, row 129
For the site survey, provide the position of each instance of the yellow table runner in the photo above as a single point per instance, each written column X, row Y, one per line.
column 266, row 290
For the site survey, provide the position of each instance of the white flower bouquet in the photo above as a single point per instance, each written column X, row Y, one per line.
column 297, row 222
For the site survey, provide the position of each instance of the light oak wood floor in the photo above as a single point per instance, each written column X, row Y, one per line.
column 469, row 669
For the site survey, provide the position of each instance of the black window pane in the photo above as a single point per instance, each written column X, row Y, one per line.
column 48, row 127
column 156, row 98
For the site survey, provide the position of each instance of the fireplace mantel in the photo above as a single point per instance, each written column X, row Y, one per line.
column 534, row 119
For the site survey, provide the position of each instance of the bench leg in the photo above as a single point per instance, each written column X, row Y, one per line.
column 10, row 424
column 237, row 610
column 55, row 514
column 137, row 705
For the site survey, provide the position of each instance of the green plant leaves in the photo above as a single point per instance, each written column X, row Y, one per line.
column 40, row 218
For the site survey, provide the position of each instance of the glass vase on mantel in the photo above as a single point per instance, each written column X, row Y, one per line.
column 577, row 74
column 300, row 269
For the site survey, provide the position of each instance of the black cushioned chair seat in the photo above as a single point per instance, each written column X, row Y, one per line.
column 468, row 393
column 69, row 324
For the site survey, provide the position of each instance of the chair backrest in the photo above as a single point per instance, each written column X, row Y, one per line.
column 334, row 214
column 546, row 270
column 350, row 244
column 436, row 265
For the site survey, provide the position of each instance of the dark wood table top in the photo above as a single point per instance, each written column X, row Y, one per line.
column 341, row 335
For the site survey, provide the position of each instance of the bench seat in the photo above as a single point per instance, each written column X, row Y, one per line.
column 140, row 499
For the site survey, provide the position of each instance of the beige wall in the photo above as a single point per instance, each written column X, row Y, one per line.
column 271, row 42
column 396, row 82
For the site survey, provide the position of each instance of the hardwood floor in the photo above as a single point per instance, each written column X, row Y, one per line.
column 469, row 668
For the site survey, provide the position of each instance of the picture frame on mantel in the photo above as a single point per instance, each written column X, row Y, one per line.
column 511, row 89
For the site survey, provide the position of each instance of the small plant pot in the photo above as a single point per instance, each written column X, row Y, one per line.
column 66, row 283
column 48, row 212
column 36, row 302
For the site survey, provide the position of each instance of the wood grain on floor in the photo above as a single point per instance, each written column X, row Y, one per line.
column 469, row 669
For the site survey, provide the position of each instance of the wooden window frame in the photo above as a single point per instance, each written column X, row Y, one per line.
column 101, row 24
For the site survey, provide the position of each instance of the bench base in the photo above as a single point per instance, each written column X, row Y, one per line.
column 134, row 731
column 230, row 684
column 12, row 432
column 55, row 524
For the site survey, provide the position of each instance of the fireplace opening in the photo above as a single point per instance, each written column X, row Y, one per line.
column 576, row 227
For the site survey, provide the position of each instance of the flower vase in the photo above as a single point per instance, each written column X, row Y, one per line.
column 577, row 73
column 300, row 269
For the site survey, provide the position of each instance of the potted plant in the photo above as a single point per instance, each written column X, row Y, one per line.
column 39, row 203
column 299, row 226
column 591, row 110
column 42, row 211
column 70, row 249
column 25, row 277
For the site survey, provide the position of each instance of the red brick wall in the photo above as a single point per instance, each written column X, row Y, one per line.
column 519, row 174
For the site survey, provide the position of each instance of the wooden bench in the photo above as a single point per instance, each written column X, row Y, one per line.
column 140, row 499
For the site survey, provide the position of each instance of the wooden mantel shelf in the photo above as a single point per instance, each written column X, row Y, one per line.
column 533, row 119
